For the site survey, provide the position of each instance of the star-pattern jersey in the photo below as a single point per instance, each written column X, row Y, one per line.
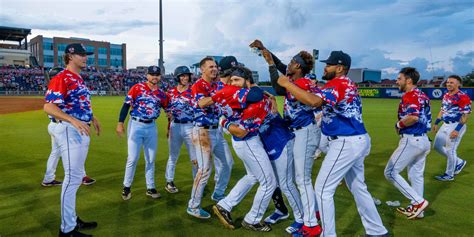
column 146, row 103
column 230, row 101
column 454, row 106
column 69, row 92
column 415, row 103
column 209, row 115
column 295, row 112
column 180, row 104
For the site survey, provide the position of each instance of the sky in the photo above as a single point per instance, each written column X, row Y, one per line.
column 435, row 36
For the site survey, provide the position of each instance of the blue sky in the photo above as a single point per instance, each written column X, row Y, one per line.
column 435, row 36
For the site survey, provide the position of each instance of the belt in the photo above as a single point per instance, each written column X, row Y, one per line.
column 209, row 126
column 450, row 122
column 415, row 134
column 331, row 138
column 59, row 121
column 182, row 122
column 300, row 127
column 142, row 121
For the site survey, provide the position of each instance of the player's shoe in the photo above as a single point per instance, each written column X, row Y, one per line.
column 126, row 193
column 52, row 183
column 88, row 180
column 405, row 211
column 306, row 231
column 417, row 209
column 459, row 167
column 224, row 216
column 444, row 177
column 293, row 228
column 153, row 193
column 198, row 213
column 171, row 188
column 82, row 225
column 276, row 216
column 261, row 227
column 384, row 235
column 73, row 233
column 217, row 197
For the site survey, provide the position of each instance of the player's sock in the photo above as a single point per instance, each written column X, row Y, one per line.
column 278, row 201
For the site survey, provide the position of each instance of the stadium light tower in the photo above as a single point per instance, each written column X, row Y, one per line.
column 160, row 60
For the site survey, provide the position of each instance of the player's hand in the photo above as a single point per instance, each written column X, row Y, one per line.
column 397, row 130
column 434, row 128
column 257, row 44
column 268, row 57
column 96, row 124
column 283, row 81
column 82, row 127
column 454, row 134
column 120, row 130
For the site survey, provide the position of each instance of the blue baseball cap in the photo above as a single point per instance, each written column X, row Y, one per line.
column 154, row 70
column 338, row 58
column 77, row 48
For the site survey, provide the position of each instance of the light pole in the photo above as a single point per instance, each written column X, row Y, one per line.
column 160, row 60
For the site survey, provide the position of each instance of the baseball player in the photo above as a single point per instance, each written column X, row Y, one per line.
column 206, row 137
column 180, row 129
column 68, row 102
column 49, row 179
column 455, row 110
column 349, row 144
column 243, row 126
column 146, row 100
column 414, row 121
column 301, row 120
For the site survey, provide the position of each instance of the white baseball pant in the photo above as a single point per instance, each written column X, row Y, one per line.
column 448, row 147
column 179, row 133
column 411, row 153
column 345, row 160
column 146, row 135
column 223, row 170
column 259, row 169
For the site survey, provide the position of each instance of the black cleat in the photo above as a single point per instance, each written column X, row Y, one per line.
column 126, row 193
column 82, row 225
column 73, row 233
column 224, row 216
column 260, row 227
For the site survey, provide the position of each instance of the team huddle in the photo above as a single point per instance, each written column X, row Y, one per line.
column 277, row 150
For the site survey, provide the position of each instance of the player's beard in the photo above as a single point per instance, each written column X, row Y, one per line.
column 329, row 76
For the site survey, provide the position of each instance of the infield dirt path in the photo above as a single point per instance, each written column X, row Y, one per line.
column 16, row 104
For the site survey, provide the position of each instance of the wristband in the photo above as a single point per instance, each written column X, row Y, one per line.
column 458, row 127
column 400, row 124
column 437, row 121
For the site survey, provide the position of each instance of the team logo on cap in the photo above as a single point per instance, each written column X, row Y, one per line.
column 155, row 68
column 71, row 50
column 233, row 63
column 339, row 61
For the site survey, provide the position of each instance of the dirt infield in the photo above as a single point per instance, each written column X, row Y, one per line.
column 17, row 104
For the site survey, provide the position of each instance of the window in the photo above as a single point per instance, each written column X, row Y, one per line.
column 102, row 62
column 90, row 49
column 116, row 63
column 115, row 51
column 61, row 47
column 48, row 58
column 91, row 60
column 47, row 46
column 102, row 50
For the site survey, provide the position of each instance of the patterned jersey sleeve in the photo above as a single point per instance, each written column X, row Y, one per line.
column 465, row 104
column 164, row 100
column 57, row 91
column 132, row 95
column 412, row 104
column 330, row 94
column 199, row 91
column 233, row 96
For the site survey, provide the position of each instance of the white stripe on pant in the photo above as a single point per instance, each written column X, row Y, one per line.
column 345, row 159
column 141, row 134
column 411, row 152
column 178, row 134
column 74, row 148
column 447, row 147
column 259, row 169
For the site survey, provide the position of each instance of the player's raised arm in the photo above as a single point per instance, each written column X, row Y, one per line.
column 300, row 94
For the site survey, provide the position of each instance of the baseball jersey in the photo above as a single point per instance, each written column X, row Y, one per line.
column 180, row 104
column 415, row 103
column 274, row 134
column 297, row 113
column 252, row 118
column 342, row 108
column 69, row 92
column 230, row 100
column 145, row 102
column 454, row 106
column 209, row 115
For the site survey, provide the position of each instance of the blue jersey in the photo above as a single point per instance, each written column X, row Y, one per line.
column 342, row 108
column 146, row 103
column 415, row 103
column 69, row 92
column 454, row 106
column 295, row 112
column 180, row 104
column 275, row 134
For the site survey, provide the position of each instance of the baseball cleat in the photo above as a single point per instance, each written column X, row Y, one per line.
column 82, row 225
column 407, row 211
column 384, row 235
column 153, row 193
column 306, row 231
column 198, row 213
column 224, row 216
column 52, row 183
column 261, row 227
column 73, row 233
column 293, row 228
column 444, row 177
column 88, row 180
column 217, row 197
column 171, row 188
column 417, row 209
column 126, row 193
column 276, row 216
column 459, row 167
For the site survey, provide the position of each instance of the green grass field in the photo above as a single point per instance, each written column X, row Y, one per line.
column 28, row 209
